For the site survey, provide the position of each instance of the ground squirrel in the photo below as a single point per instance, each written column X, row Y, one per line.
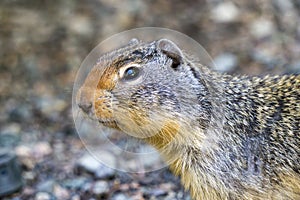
column 227, row 137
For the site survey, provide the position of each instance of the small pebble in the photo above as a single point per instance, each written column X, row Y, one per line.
column 104, row 172
column 225, row 62
column 42, row 149
column 100, row 188
column 157, row 192
column 75, row 197
column 89, row 163
column 120, row 197
column 60, row 193
column 225, row 12
column 74, row 184
column 12, row 128
column 284, row 5
column 20, row 114
column 43, row 196
column 50, row 106
column 87, row 187
column 46, row 186
column 261, row 28
column 294, row 68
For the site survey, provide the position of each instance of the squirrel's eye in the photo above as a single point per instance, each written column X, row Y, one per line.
column 131, row 73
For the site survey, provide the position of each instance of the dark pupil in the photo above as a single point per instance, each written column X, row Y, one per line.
column 131, row 72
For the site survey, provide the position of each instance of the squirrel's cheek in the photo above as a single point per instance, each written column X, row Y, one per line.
column 139, row 117
column 108, row 79
column 102, row 105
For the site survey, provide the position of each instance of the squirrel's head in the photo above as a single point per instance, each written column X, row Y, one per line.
column 142, row 88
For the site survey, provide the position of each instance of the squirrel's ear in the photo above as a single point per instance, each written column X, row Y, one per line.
column 171, row 50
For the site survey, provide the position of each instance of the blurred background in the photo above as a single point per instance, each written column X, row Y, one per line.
column 42, row 44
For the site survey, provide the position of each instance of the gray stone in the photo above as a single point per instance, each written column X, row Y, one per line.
column 12, row 128
column 46, row 186
column 261, row 28
column 226, row 62
column 75, row 197
column 225, row 12
column 43, row 196
column 61, row 193
column 20, row 114
column 100, row 188
column 266, row 56
column 104, row 172
column 294, row 68
column 157, row 192
column 284, row 5
column 120, row 197
column 90, row 164
column 74, row 184
column 86, row 187
column 50, row 106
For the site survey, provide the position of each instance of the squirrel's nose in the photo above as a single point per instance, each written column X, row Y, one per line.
column 83, row 100
column 86, row 107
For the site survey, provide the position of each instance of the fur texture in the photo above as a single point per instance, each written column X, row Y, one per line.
column 227, row 137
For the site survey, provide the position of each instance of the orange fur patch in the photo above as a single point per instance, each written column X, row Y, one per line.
column 166, row 135
column 139, row 116
column 108, row 79
column 102, row 104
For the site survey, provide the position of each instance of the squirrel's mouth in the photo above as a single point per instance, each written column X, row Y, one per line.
column 108, row 123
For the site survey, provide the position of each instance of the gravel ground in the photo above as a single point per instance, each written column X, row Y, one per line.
column 44, row 42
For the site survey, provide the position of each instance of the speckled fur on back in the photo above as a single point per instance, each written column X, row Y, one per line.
column 227, row 137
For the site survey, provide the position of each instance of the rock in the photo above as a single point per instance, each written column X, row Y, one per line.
column 87, row 187
column 226, row 62
column 172, row 195
column 28, row 191
column 75, row 184
column 267, row 55
column 120, row 197
column 25, row 155
column 261, row 28
column 284, row 5
column 225, row 12
column 100, row 188
column 10, row 135
column 90, row 164
column 43, row 196
column 157, row 192
column 104, row 172
column 23, row 151
column 9, row 140
column 60, row 193
column 50, row 106
column 46, row 186
column 29, row 176
column 42, row 149
column 20, row 114
column 30, row 155
column 12, row 128
column 294, row 68
column 75, row 197
column 80, row 25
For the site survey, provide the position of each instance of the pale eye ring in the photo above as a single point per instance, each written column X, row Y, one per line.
column 132, row 72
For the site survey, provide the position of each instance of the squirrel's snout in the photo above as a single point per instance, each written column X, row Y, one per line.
column 86, row 107
column 83, row 101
